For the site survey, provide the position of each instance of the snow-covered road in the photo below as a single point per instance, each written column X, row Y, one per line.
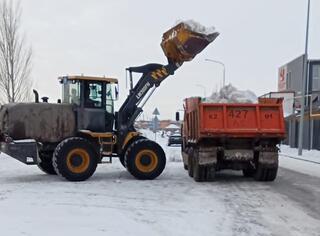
column 112, row 202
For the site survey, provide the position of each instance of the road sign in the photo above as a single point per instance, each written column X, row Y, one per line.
column 155, row 124
column 156, row 112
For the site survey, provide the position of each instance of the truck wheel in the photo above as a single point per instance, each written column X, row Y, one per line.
column 75, row 159
column 210, row 172
column 45, row 163
column 249, row 172
column 199, row 171
column 121, row 157
column 190, row 162
column 266, row 173
column 145, row 159
column 185, row 166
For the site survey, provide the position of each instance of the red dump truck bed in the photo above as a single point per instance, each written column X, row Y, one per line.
column 237, row 120
column 237, row 136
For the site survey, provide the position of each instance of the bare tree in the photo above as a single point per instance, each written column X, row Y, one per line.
column 15, row 55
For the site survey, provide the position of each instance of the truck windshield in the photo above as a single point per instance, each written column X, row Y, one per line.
column 71, row 92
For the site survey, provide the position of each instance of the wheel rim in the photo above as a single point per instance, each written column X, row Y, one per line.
column 146, row 161
column 78, row 160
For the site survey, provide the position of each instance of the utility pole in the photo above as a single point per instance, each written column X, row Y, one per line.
column 304, row 81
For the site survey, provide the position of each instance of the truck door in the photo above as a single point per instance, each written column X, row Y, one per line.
column 92, row 113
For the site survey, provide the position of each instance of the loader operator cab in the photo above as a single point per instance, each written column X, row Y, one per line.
column 93, row 99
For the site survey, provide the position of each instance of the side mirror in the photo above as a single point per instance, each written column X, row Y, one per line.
column 177, row 116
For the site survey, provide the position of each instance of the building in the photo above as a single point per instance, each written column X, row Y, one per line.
column 291, row 79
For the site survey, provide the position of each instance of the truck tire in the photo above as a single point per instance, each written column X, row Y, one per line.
column 75, row 159
column 190, row 162
column 266, row 173
column 249, row 172
column 210, row 172
column 45, row 163
column 145, row 159
column 199, row 171
column 121, row 157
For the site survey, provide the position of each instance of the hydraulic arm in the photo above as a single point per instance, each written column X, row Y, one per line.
column 181, row 43
column 152, row 76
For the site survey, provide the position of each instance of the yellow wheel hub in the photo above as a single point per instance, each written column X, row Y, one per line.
column 78, row 160
column 146, row 161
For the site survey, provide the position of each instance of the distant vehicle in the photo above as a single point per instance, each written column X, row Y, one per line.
column 174, row 139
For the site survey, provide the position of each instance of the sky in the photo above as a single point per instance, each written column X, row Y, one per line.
column 102, row 38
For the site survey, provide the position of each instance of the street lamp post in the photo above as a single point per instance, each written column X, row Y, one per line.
column 304, row 81
column 204, row 89
column 224, row 69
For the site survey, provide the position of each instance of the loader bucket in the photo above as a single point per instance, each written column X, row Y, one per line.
column 182, row 43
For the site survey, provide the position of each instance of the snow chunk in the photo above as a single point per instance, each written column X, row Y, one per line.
column 197, row 27
column 230, row 94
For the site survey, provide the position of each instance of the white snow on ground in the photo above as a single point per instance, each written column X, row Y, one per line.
column 112, row 202
column 290, row 159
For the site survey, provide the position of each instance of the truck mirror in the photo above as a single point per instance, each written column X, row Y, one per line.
column 177, row 116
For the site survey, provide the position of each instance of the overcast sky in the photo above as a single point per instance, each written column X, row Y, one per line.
column 104, row 37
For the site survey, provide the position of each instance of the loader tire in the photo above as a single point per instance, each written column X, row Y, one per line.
column 145, row 159
column 75, row 159
column 45, row 163
column 266, row 173
column 121, row 157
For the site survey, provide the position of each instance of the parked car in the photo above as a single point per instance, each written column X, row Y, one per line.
column 174, row 139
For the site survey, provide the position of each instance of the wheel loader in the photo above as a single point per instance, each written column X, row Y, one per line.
column 72, row 136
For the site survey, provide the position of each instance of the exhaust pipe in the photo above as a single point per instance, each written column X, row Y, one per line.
column 36, row 96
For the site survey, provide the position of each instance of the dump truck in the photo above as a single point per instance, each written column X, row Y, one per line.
column 237, row 136
column 81, row 130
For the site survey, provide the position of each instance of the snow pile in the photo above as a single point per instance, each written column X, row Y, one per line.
column 230, row 94
column 197, row 27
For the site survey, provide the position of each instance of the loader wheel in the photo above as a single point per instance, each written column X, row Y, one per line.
column 266, row 173
column 75, row 159
column 145, row 159
column 45, row 163
column 121, row 157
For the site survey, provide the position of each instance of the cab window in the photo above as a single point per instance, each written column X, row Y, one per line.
column 71, row 92
column 93, row 94
column 109, row 99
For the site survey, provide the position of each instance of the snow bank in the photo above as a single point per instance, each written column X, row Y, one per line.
column 197, row 27
column 306, row 164
column 230, row 94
